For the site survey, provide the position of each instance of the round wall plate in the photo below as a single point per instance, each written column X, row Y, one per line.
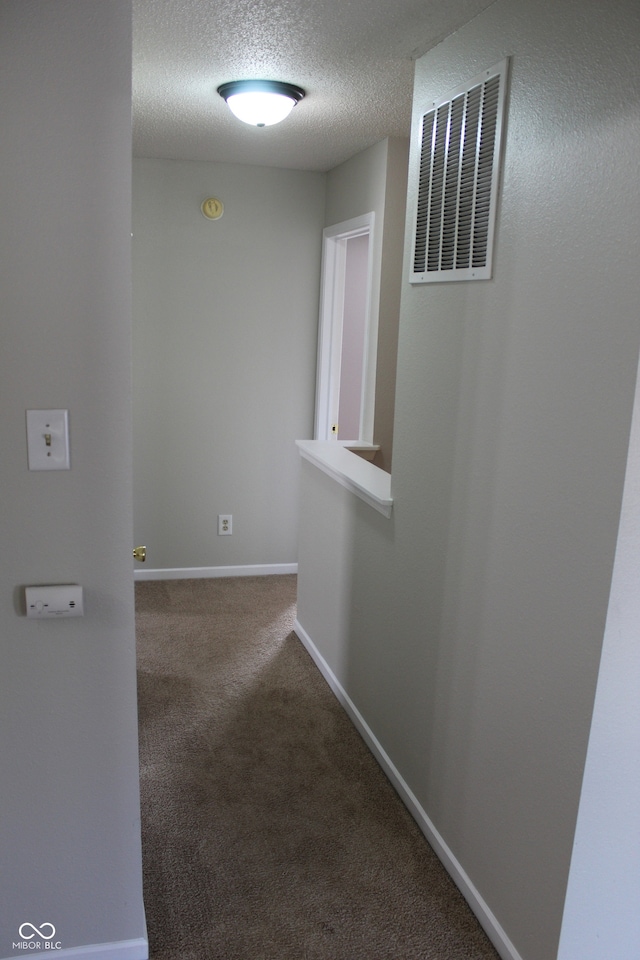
column 212, row 208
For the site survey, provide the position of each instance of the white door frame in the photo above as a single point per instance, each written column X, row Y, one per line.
column 332, row 291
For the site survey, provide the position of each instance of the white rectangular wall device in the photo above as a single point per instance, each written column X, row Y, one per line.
column 56, row 600
column 48, row 439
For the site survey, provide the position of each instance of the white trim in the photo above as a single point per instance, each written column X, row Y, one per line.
column 364, row 479
column 119, row 950
column 201, row 573
column 454, row 868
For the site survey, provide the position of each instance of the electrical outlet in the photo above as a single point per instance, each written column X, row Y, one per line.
column 225, row 524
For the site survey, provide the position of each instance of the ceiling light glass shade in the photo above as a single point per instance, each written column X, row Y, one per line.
column 260, row 102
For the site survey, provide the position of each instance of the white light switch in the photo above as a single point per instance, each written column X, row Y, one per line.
column 48, row 439
column 57, row 600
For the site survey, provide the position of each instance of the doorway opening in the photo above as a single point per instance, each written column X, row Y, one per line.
column 347, row 343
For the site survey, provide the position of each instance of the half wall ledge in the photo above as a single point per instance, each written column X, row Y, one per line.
column 337, row 459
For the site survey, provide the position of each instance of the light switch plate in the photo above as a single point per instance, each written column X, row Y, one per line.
column 48, row 439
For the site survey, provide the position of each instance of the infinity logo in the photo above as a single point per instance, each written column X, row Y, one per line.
column 40, row 932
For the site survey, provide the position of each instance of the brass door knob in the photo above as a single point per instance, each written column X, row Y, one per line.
column 140, row 553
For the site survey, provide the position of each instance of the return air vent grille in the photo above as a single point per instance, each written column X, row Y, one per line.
column 460, row 152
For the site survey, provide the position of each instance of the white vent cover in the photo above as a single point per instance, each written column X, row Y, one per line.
column 457, row 191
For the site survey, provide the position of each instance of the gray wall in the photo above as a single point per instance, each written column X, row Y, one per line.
column 225, row 336
column 467, row 630
column 70, row 809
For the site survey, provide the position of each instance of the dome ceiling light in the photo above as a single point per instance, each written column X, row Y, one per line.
column 260, row 102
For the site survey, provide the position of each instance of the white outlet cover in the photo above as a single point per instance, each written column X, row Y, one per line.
column 225, row 524
column 48, row 439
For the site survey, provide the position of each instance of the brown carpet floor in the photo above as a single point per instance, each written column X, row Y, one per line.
column 269, row 831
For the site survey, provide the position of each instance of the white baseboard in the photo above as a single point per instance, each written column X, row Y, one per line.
column 120, row 950
column 201, row 573
column 454, row 868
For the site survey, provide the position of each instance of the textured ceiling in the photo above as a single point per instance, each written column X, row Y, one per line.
column 354, row 58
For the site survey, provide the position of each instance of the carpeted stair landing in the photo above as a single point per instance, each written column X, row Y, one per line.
column 269, row 831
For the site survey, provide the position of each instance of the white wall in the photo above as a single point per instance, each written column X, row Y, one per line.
column 354, row 326
column 467, row 630
column 601, row 917
column 225, row 334
column 70, row 834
